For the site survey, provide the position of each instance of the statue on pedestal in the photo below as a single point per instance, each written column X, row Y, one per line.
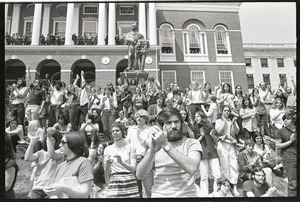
column 137, row 49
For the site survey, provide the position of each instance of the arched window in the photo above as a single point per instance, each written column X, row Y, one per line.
column 167, row 39
column 194, row 40
column 222, row 40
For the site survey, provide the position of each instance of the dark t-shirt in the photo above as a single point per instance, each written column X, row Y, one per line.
column 249, row 186
column 36, row 96
column 290, row 152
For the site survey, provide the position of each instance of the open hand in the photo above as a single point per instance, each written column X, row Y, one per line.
column 159, row 136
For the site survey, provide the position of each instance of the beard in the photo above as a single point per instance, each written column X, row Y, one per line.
column 259, row 181
column 174, row 135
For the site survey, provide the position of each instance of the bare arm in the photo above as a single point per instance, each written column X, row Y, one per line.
column 50, row 147
column 9, row 177
column 29, row 156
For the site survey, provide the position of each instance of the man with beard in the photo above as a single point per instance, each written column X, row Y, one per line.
column 258, row 187
column 173, row 158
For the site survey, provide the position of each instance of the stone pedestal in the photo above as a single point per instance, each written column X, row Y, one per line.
column 134, row 74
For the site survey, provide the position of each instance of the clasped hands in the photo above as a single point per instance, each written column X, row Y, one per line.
column 158, row 138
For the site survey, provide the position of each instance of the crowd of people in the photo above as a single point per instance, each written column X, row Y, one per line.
column 137, row 140
column 57, row 39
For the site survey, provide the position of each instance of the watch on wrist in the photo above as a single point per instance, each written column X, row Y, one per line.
column 166, row 148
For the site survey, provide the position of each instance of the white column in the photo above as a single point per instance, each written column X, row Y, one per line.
column 76, row 18
column 69, row 23
column 15, row 19
column 111, row 23
column 152, row 22
column 5, row 17
column 46, row 19
column 142, row 19
column 36, row 24
column 102, row 24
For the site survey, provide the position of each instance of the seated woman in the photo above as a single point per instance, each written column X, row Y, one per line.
column 15, row 132
column 96, row 157
column 76, row 166
column 224, row 189
column 11, row 169
column 248, row 160
column 63, row 125
column 45, row 165
column 120, row 164
column 90, row 130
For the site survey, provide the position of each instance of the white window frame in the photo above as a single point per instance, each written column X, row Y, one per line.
column 83, row 26
column 198, row 57
column 55, row 23
column 232, row 80
column 126, row 13
column 167, row 56
column 162, row 77
column 25, row 22
column 194, row 71
column 282, row 62
column 223, row 57
column 84, row 6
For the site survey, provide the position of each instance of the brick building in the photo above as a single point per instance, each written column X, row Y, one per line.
column 188, row 41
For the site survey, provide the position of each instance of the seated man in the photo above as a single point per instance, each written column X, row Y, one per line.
column 258, row 187
column 249, row 160
column 173, row 158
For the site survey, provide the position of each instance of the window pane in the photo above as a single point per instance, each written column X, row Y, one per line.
column 167, row 78
column 166, row 38
column 198, row 77
column 28, row 29
column 280, row 62
column 226, row 77
column 221, row 41
column 282, row 79
column 264, row 62
column 248, row 62
column 250, row 80
column 90, row 27
column 194, row 36
column 266, row 79
column 60, row 28
column 126, row 10
column 90, row 10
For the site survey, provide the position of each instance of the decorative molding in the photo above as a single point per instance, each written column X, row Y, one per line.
column 14, row 57
column 105, row 60
column 90, row 19
column 148, row 60
column 65, row 70
column 61, row 7
column 30, row 7
column 28, row 18
column 83, row 57
column 105, row 70
column 61, row 18
column 212, row 7
column 205, row 64
column 49, row 57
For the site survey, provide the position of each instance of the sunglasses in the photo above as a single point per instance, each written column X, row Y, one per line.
column 63, row 142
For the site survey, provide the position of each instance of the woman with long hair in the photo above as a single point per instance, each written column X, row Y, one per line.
column 187, row 124
column 227, row 98
column 276, row 113
column 138, row 99
column 11, row 169
column 205, row 133
column 227, row 129
column 45, row 165
column 247, row 113
column 120, row 164
column 76, row 168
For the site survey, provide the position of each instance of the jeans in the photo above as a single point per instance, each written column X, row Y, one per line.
column 205, row 165
column 54, row 113
column 70, row 112
column 18, row 111
column 291, row 172
column 107, row 119
column 81, row 112
column 92, row 139
column 32, row 112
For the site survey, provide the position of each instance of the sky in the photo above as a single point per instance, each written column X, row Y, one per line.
column 268, row 22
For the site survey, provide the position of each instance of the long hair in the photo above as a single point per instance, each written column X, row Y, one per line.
column 241, row 93
column 64, row 118
column 77, row 143
column 282, row 104
column 229, row 90
column 23, row 82
column 9, row 151
column 258, row 134
column 57, row 136
column 243, row 103
column 207, row 83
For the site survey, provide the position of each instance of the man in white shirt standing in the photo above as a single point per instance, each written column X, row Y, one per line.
column 266, row 94
column 197, row 98
column 56, row 99
column 138, row 136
